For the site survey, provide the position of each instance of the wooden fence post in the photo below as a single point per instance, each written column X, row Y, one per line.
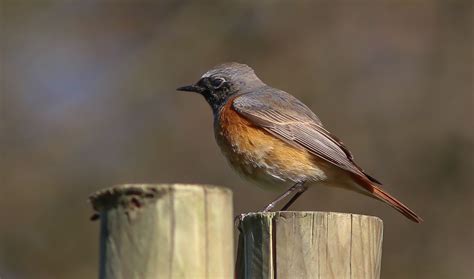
column 165, row 231
column 309, row 245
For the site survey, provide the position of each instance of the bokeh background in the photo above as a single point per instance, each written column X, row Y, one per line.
column 88, row 100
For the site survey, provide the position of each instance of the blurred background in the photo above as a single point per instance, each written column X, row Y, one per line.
column 88, row 100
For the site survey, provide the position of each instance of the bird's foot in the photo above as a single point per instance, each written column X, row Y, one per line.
column 269, row 207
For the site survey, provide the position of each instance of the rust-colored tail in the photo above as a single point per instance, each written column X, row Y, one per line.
column 380, row 194
column 393, row 202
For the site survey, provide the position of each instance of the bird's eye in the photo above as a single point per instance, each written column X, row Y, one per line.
column 217, row 82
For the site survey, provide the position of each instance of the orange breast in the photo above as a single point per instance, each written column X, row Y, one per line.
column 259, row 155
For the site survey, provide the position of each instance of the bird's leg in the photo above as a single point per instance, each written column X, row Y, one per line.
column 293, row 188
column 301, row 189
column 238, row 219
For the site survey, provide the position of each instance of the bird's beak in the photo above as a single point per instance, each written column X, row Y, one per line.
column 191, row 88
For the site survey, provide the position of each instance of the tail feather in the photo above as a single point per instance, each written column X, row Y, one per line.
column 393, row 202
column 381, row 195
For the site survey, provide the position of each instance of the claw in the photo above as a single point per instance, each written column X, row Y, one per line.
column 269, row 207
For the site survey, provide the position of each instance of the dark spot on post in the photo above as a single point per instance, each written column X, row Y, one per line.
column 136, row 202
column 149, row 195
column 94, row 217
column 133, row 192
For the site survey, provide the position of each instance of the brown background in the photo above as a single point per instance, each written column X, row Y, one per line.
column 88, row 100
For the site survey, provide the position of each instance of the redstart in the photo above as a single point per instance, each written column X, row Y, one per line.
column 274, row 139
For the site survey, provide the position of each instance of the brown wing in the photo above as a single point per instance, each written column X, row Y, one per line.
column 289, row 119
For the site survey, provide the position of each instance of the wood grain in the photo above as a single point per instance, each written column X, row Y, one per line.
column 309, row 245
column 165, row 231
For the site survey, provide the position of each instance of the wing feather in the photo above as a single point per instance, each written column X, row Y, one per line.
column 286, row 117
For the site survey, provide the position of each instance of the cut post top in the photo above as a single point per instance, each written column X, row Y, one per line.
column 301, row 214
column 113, row 196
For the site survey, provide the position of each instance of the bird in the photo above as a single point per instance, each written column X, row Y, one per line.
column 274, row 139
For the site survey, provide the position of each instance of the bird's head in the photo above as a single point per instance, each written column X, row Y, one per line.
column 224, row 81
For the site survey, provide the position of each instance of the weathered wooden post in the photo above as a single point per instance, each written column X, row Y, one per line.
column 165, row 231
column 309, row 245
